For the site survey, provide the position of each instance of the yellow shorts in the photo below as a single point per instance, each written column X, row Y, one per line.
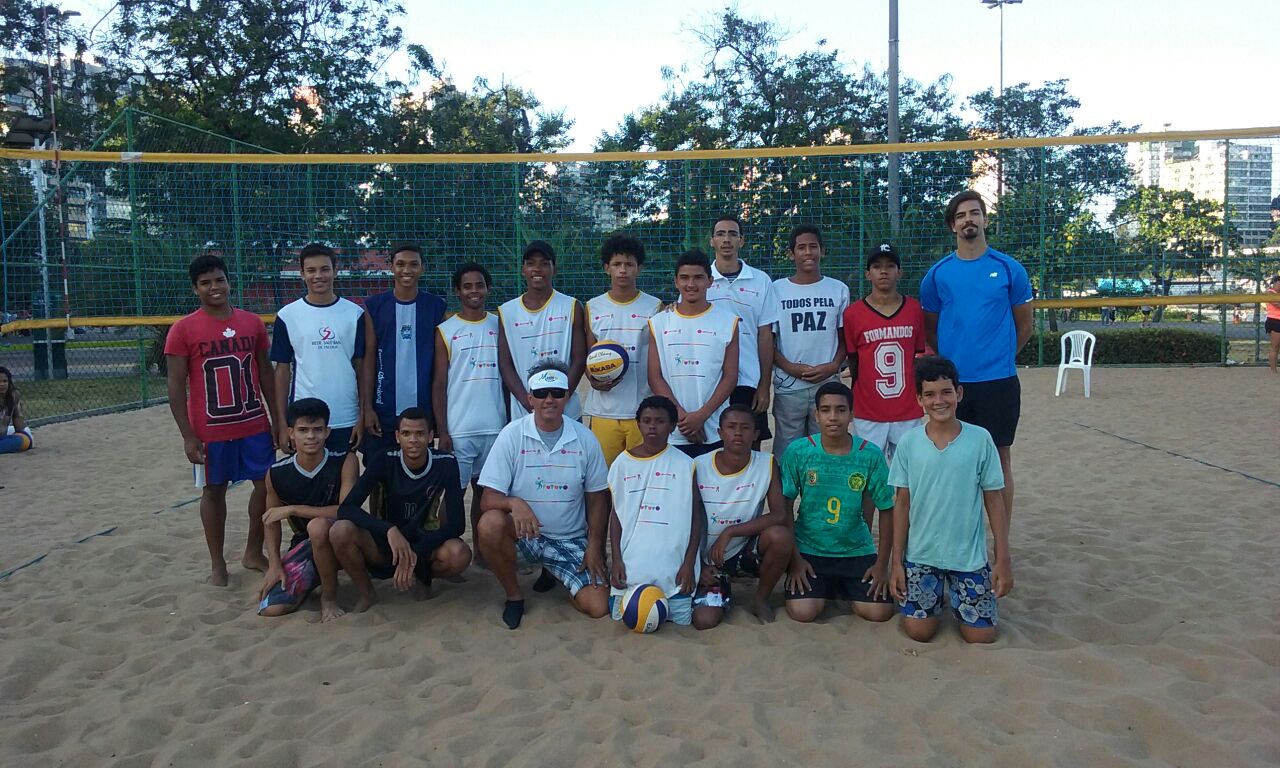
column 615, row 435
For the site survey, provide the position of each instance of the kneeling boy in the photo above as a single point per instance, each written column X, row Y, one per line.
column 835, row 557
column 305, row 489
column 735, row 483
column 946, row 472
column 418, row 533
column 656, row 525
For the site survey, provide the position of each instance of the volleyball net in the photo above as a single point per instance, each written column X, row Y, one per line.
column 96, row 243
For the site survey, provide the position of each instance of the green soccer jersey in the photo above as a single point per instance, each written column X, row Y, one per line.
column 829, row 490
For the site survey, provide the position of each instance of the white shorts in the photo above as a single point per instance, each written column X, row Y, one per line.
column 471, row 451
column 885, row 434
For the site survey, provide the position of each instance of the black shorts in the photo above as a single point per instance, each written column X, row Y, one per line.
column 422, row 569
column 694, row 450
column 993, row 405
column 743, row 395
column 1272, row 325
column 838, row 578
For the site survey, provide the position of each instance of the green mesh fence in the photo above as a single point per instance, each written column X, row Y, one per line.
column 1086, row 221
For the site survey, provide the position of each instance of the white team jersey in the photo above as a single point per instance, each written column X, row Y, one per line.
column 323, row 341
column 691, row 354
column 732, row 499
column 808, row 327
column 653, row 499
column 474, row 384
column 535, row 336
column 628, row 325
column 750, row 297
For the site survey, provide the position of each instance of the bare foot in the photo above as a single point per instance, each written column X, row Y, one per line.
column 763, row 611
column 329, row 610
column 421, row 591
column 254, row 561
column 218, row 576
column 365, row 602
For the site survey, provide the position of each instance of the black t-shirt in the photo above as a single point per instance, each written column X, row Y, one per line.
column 426, row 506
column 318, row 488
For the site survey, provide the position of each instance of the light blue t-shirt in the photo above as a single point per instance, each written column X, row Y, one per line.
column 974, row 301
column 948, row 519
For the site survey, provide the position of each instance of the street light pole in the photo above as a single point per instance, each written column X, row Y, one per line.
column 1000, row 4
column 895, row 193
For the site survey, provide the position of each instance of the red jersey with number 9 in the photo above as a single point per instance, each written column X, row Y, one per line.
column 224, row 401
column 886, row 349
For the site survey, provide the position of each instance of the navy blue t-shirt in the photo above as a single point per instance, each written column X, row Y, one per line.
column 974, row 301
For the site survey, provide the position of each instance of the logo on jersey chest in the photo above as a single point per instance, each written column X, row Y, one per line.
column 543, row 485
column 808, row 321
column 707, row 487
column 811, row 477
column 887, row 332
column 857, row 481
column 406, row 332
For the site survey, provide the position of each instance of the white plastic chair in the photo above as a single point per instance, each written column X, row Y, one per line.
column 1077, row 353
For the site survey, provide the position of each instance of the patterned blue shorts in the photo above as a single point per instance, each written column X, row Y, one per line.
column 973, row 601
column 562, row 557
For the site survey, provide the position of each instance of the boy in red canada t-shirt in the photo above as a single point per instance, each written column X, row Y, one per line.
column 221, row 352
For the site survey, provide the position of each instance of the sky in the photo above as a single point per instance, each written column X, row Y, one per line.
column 1189, row 63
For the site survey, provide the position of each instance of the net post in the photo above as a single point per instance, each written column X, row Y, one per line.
column 235, row 221
column 1226, row 242
column 134, row 252
column 862, row 231
column 687, row 212
column 312, row 222
column 1258, row 314
column 1043, row 287
column 517, row 178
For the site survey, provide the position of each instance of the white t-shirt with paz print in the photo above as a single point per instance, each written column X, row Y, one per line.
column 808, row 328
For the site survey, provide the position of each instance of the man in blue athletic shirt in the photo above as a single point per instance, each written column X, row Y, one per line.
column 977, row 313
column 400, row 328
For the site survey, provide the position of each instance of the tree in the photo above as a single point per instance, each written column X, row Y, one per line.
column 1170, row 232
column 748, row 93
column 1045, row 215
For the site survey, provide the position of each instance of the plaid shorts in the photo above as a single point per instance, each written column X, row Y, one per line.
column 973, row 601
column 564, row 558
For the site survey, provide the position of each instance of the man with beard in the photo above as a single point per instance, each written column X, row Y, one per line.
column 977, row 313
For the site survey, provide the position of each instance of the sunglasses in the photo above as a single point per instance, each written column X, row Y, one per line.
column 543, row 394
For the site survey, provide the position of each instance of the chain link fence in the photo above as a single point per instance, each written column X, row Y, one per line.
column 97, row 246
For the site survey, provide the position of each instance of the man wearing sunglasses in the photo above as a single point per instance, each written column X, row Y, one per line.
column 546, row 500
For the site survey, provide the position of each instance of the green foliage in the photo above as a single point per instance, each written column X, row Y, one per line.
column 1138, row 346
column 751, row 94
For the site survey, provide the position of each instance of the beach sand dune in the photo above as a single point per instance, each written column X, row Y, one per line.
column 1143, row 629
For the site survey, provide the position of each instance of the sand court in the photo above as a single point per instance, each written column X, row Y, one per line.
column 1143, row 628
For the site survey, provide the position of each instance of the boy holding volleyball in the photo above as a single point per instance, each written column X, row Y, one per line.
column 828, row 475
column 620, row 315
column 655, row 529
column 946, row 472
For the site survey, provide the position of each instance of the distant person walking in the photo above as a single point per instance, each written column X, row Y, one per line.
column 977, row 313
column 1273, row 323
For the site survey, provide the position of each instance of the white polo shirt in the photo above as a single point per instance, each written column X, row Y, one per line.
column 751, row 297
column 553, row 482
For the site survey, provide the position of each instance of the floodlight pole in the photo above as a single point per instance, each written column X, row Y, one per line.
column 895, row 192
column 1000, row 4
